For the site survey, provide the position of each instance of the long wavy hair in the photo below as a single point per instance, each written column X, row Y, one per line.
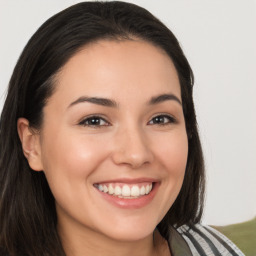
column 27, row 207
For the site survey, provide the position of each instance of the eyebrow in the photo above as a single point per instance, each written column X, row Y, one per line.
column 111, row 103
column 95, row 100
column 164, row 97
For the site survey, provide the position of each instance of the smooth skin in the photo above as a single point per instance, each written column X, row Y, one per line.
column 133, row 133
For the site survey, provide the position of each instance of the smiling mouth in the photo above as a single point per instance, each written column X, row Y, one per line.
column 126, row 191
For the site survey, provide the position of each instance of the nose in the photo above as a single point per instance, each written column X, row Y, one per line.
column 132, row 148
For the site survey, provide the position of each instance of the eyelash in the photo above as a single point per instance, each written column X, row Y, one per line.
column 95, row 121
column 163, row 120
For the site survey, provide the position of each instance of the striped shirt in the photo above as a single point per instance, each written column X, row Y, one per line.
column 199, row 240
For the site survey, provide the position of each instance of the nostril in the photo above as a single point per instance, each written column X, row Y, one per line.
column 131, row 148
column 133, row 160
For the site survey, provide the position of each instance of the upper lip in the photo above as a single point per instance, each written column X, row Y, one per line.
column 128, row 180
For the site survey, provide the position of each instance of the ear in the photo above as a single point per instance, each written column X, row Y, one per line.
column 31, row 146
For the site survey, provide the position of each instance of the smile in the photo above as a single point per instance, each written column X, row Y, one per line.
column 127, row 191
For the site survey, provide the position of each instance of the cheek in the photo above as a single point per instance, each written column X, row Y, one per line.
column 69, row 160
column 173, row 152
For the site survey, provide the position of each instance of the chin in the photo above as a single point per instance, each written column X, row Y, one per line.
column 129, row 231
column 131, row 235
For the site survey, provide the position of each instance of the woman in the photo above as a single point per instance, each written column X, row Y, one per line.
column 100, row 153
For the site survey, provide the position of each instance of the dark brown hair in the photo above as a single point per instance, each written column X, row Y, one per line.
column 27, row 207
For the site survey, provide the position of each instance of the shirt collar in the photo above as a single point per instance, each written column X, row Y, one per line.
column 178, row 245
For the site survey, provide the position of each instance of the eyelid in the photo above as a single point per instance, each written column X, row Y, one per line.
column 170, row 117
column 90, row 117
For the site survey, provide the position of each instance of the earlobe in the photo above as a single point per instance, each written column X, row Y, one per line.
column 30, row 141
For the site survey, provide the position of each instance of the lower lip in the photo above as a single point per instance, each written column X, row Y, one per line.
column 131, row 203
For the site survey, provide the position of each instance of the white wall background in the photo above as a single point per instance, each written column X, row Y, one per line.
column 219, row 40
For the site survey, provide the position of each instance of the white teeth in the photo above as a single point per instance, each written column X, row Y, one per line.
column 126, row 191
column 147, row 189
column 105, row 189
column 142, row 190
column 135, row 191
column 111, row 190
column 118, row 191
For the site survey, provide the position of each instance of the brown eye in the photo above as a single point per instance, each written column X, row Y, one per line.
column 94, row 121
column 162, row 120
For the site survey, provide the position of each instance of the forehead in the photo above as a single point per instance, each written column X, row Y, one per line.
column 110, row 67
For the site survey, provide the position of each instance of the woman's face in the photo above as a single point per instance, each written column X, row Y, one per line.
column 113, row 144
